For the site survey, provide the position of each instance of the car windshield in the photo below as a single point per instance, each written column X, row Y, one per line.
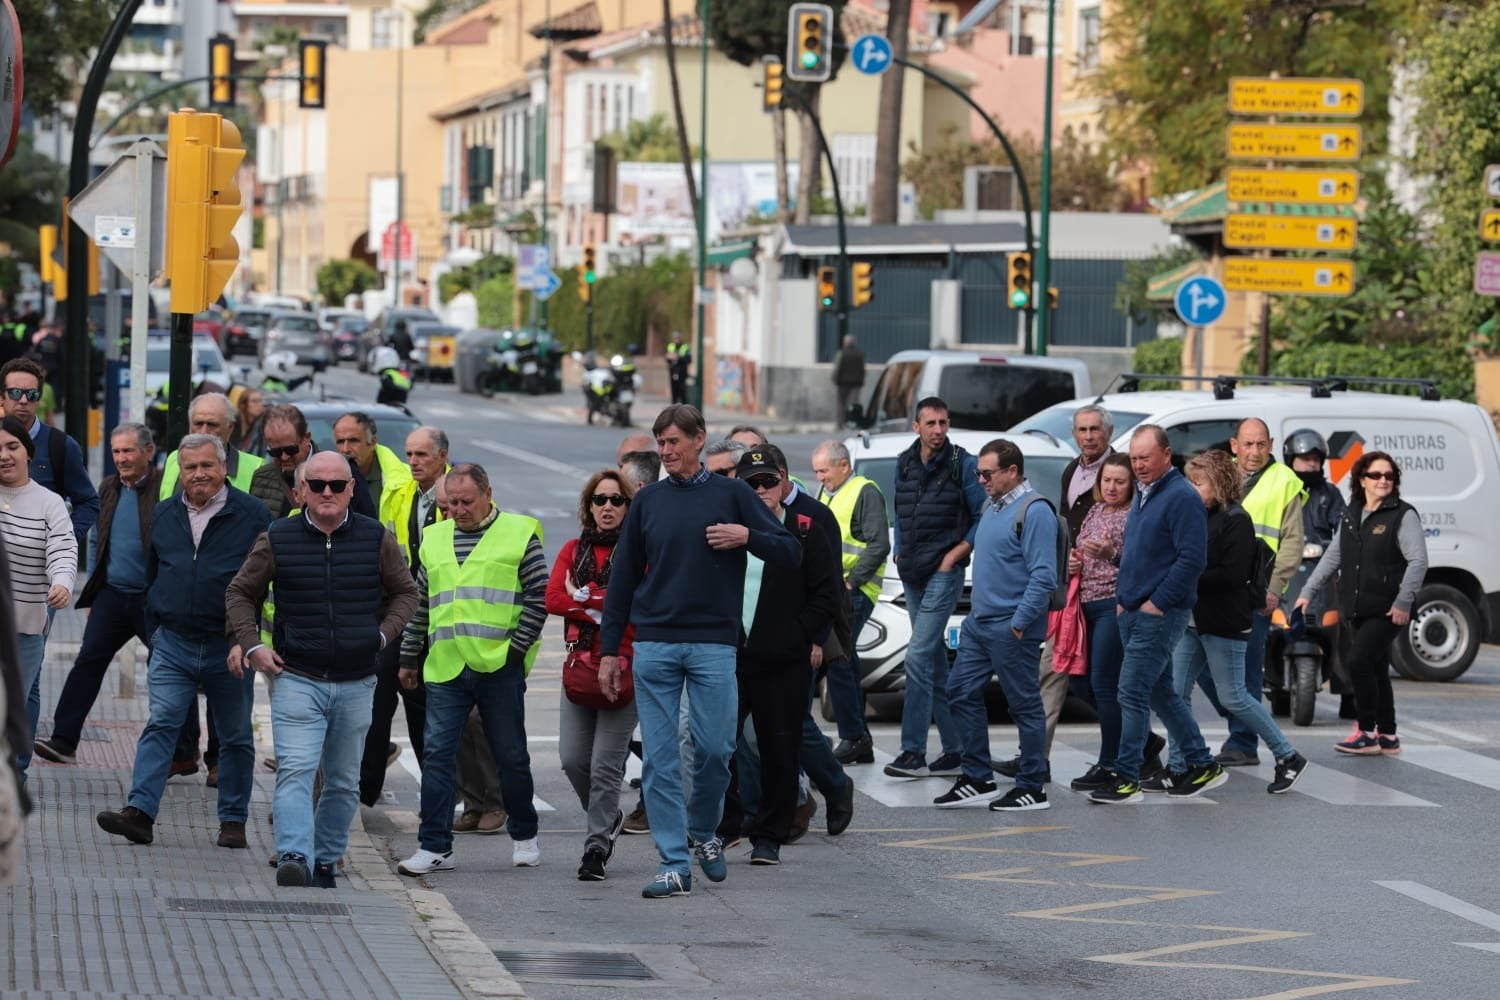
column 1045, row 475
column 992, row 397
column 353, row 325
column 1057, row 423
column 390, row 428
column 297, row 324
column 249, row 318
column 159, row 358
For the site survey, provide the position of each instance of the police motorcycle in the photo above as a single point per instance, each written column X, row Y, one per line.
column 1302, row 648
column 525, row 365
column 609, row 391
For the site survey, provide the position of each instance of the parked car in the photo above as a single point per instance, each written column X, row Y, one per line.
column 244, row 330
column 298, row 333
column 434, row 347
column 379, row 332
column 212, row 322
column 293, row 302
column 346, row 333
column 391, row 424
column 208, row 361
column 328, row 316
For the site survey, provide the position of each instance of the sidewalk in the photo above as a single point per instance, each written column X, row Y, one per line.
column 94, row 915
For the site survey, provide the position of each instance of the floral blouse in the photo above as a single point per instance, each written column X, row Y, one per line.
column 1106, row 524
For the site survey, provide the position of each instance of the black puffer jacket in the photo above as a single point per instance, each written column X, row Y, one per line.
column 1225, row 601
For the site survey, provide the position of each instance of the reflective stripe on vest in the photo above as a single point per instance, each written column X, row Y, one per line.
column 1266, row 503
column 474, row 607
column 841, row 503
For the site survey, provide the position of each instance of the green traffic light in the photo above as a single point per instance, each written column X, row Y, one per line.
column 827, row 302
column 809, row 60
column 1019, row 298
column 590, row 277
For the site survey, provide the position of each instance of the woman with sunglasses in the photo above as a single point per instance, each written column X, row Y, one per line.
column 593, row 741
column 1380, row 556
column 37, row 534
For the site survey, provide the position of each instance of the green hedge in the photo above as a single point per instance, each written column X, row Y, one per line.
column 1448, row 364
column 1158, row 357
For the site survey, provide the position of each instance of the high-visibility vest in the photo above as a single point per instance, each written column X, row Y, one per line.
column 398, row 379
column 1266, row 502
column 841, row 503
column 394, row 475
column 244, row 471
column 474, row 608
column 395, row 514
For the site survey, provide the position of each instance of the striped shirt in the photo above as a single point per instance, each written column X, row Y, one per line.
column 37, row 533
column 533, row 573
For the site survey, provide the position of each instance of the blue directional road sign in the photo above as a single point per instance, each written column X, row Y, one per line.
column 547, row 282
column 1200, row 301
column 872, row 54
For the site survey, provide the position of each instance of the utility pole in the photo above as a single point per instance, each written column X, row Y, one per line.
column 1044, row 251
column 702, row 201
column 400, row 175
column 542, row 130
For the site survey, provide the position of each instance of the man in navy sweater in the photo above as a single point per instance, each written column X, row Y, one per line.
column 1015, row 572
column 679, row 577
column 1166, row 548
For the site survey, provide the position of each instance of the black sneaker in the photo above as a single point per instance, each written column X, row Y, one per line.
column 860, row 751
column 1021, row 800
column 55, row 750
column 967, row 793
column 1155, row 746
column 292, row 871
column 1123, row 791
column 1236, row 758
column 1161, row 782
column 1288, row 770
column 1198, row 780
column 323, row 876
column 765, row 852
column 907, row 765
column 130, row 823
column 949, row 765
column 592, row 867
column 1093, row 779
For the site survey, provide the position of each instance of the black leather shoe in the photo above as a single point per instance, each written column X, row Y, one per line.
column 841, row 811
column 130, row 823
column 860, row 751
column 801, row 818
column 232, row 834
column 323, row 877
column 292, row 871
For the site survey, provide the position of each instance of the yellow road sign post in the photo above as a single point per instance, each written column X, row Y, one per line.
column 1289, row 276
column 1311, row 187
column 1489, row 225
column 1284, row 232
column 1294, row 142
column 1254, row 95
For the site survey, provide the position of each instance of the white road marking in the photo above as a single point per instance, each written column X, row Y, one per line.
column 1451, row 904
column 1446, row 731
column 1336, row 787
column 441, row 410
column 1464, row 765
column 532, row 458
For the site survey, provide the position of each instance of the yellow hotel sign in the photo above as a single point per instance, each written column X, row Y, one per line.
column 1281, row 232
column 1288, row 276
column 1254, row 95
column 1315, row 187
column 1294, row 142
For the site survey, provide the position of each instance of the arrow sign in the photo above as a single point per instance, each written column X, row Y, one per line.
column 872, row 54
column 1492, row 181
column 1200, row 301
column 1489, row 225
column 547, row 285
column 1251, row 95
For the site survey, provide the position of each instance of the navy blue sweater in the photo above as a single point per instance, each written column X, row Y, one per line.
column 668, row 582
column 1166, row 546
column 186, row 585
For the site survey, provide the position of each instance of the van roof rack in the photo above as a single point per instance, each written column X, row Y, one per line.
column 1321, row 387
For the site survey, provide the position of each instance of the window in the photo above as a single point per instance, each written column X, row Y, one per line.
column 1088, row 39
column 1196, row 437
column 990, row 397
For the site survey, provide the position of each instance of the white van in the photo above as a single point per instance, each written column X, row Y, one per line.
column 1450, row 464
column 984, row 392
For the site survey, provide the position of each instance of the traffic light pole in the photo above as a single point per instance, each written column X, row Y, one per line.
column 841, row 296
column 179, row 381
column 588, row 342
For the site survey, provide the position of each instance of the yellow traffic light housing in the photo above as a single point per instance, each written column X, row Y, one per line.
column 863, row 289
column 1018, row 283
column 585, row 290
column 312, row 61
column 53, row 244
column 809, row 42
column 50, row 273
column 221, row 86
column 772, row 83
column 828, row 297
column 1052, row 298
column 590, row 259
column 204, row 152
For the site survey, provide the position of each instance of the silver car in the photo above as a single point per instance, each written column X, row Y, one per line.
column 299, row 333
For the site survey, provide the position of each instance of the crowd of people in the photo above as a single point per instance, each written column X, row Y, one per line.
column 706, row 593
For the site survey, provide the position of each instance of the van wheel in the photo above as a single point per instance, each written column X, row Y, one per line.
column 1443, row 637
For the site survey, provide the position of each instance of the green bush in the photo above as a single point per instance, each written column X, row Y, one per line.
column 1448, row 365
column 1162, row 356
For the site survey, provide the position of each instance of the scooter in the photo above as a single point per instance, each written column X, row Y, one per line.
column 1302, row 656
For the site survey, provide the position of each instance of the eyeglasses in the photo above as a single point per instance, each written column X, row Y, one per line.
column 319, row 485
column 986, row 474
column 1389, row 477
column 30, row 395
column 763, row 482
column 286, row 451
column 613, row 499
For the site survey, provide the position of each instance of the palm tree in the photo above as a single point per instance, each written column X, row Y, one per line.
column 883, row 189
column 682, row 141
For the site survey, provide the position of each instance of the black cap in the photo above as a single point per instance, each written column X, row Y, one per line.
column 756, row 461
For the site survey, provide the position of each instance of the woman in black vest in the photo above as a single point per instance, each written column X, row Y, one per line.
column 1380, row 556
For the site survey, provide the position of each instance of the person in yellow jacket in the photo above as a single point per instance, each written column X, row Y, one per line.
column 1274, row 496
column 213, row 413
column 356, row 436
column 482, row 602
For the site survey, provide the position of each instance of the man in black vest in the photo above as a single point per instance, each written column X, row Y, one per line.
column 939, row 501
column 330, row 626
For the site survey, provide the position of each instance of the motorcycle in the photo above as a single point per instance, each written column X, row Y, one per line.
column 609, row 392
column 1299, row 661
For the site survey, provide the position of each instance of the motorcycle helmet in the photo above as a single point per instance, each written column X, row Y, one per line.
column 279, row 364
column 1304, row 441
column 384, row 357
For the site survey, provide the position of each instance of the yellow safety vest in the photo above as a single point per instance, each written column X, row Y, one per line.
column 395, row 513
column 394, row 475
column 474, row 608
column 1266, row 502
column 268, row 606
column 244, row 471
column 841, row 503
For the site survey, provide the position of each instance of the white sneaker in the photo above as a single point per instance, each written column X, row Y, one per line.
column 526, row 853
column 425, row 861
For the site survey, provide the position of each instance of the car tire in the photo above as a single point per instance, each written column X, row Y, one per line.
column 1443, row 638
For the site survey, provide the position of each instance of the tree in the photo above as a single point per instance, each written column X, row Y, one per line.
column 58, row 37
column 651, row 140
column 31, row 189
column 667, row 28
column 1164, row 90
column 339, row 279
column 883, row 189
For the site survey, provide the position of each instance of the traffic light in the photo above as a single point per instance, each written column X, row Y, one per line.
column 809, row 42
column 828, row 297
column 771, row 84
column 864, row 283
column 1052, row 298
column 590, row 260
column 53, row 246
column 50, row 273
column 203, row 204
column 221, row 64
column 312, row 62
column 1018, row 287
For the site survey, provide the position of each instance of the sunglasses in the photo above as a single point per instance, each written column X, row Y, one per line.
column 30, row 395
column 613, row 499
column 319, row 485
column 763, row 482
column 1389, row 477
column 987, row 474
column 286, row 451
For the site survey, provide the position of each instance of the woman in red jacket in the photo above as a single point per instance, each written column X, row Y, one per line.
column 594, row 734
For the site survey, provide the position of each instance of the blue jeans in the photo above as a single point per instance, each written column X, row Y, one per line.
column 990, row 647
column 178, row 666
column 317, row 721
column 1242, row 735
column 500, row 697
column 1105, row 654
column 707, row 671
column 843, row 677
column 929, row 606
column 31, row 650
column 1225, row 659
column 1146, row 685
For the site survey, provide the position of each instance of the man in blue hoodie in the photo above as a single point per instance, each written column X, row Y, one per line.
column 679, row 577
column 1166, row 548
column 1015, row 571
